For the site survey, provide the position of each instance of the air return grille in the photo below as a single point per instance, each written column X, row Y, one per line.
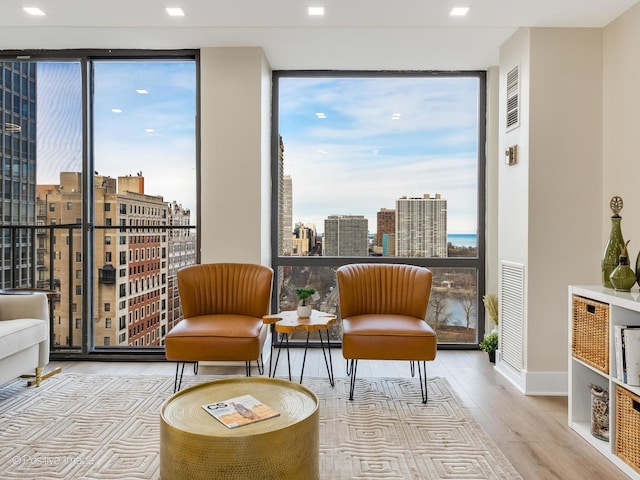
column 513, row 98
column 512, row 314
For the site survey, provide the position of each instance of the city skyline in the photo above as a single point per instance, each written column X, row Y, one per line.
column 355, row 145
column 134, row 131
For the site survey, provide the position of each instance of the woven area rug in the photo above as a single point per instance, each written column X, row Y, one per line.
column 78, row 426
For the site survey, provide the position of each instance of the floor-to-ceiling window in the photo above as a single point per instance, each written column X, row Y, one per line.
column 381, row 167
column 99, row 150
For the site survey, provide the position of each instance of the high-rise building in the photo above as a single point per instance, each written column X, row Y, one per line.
column 386, row 224
column 304, row 239
column 389, row 245
column 17, row 172
column 287, row 215
column 346, row 236
column 182, row 252
column 131, row 261
column 421, row 226
column 285, row 212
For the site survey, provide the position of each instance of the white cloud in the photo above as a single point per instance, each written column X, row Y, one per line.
column 431, row 149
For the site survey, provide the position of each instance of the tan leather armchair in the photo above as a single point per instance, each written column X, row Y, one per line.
column 223, row 305
column 383, row 309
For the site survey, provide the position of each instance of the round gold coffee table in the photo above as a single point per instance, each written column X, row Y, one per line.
column 194, row 445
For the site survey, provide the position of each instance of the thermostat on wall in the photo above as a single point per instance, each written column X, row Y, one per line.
column 511, row 155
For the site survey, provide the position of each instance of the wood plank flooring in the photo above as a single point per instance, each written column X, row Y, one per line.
column 532, row 432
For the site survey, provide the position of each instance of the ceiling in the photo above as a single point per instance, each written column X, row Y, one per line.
column 353, row 34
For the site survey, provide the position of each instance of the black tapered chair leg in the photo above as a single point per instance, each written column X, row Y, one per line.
column 423, row 381
column 177, row 383
column 352, row 386
column 260, row 363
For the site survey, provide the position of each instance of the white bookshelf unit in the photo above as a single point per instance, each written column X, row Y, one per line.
column 623, row 309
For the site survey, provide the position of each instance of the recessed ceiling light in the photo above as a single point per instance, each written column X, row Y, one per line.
column 316, row 11
column 396, row 116
column 175, row 11
column 33, row 11
column 116, row 110
column 459, row 11
column 149, row 130
column 142, row 91
column 321, row 115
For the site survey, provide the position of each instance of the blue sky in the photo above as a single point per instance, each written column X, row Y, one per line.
column 154, row 132
column 358, row 159
column 355, row 161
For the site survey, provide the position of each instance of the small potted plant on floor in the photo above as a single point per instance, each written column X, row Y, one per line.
column 304, row 307
column 490, row 345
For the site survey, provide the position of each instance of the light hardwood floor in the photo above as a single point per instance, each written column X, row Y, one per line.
column 532, row 432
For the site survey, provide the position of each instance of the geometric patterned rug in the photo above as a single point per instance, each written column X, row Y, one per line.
column 77, row 426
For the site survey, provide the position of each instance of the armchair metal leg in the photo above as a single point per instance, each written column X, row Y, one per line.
column 177, row 383
column 423, row 381
column 352, row 385
column 260, row 363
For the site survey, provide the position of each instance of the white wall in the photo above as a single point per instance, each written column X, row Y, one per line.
column 513, row 183
column 491, row 184
column 235, row 155
column 550, row 201
column 565, row 164
column 621, row 132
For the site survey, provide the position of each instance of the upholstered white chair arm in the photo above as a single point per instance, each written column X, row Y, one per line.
column 13, row 307
column 32, row 306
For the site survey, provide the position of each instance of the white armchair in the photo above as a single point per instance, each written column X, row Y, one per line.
column 24, row 335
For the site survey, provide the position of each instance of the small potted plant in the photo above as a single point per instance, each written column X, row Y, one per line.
column 304, row 307
column 490, row 345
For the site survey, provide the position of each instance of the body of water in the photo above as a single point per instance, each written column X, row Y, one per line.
column 462, row 239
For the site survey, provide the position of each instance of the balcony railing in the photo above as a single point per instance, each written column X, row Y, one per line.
column 133, row 277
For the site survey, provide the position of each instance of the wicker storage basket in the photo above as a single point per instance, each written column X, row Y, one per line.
column 590, row 332
column 628, row 427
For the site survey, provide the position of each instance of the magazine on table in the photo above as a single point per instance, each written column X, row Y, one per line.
column 239, row 411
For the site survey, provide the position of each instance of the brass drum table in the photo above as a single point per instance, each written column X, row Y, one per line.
column 194, row 445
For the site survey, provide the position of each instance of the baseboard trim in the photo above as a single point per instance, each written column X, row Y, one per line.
column 535, row 383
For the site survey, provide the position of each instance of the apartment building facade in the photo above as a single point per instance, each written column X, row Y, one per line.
column 421, row 226
column 346, row 236
column 135, row 256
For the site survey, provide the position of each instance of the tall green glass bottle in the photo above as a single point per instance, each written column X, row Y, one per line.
column 613, row 249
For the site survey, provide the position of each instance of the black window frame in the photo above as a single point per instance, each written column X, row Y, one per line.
column 478, row 262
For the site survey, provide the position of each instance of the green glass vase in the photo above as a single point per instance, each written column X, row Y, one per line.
column 623, row 277
column 612, row 251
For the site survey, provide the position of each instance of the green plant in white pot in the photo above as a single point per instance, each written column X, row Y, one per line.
column 490, row 345
column 304, row 305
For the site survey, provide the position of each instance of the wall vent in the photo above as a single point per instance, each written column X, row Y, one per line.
column 513, row 98
column 512, row 315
